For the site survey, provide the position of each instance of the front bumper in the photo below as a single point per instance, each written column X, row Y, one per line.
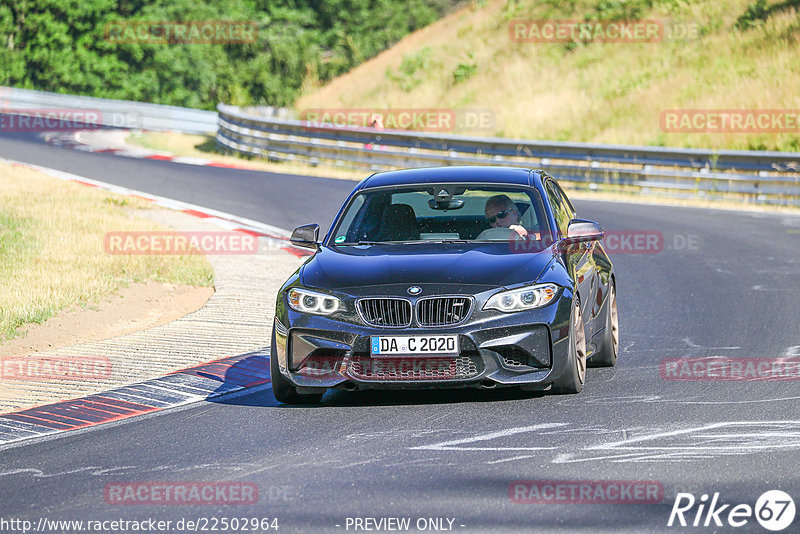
column 527, row 349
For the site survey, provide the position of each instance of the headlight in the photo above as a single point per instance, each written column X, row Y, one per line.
column 524, row 298
column 306, row 301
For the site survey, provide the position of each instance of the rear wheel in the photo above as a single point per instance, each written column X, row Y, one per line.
column 284, row 390
column 607, row 355
column 575, row 374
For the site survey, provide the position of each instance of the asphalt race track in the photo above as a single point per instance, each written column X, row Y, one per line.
column 722, row 283
column 278, row 199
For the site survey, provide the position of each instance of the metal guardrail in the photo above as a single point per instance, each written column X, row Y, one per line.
column 111, row 113
column 764, row 177
column 770, row 177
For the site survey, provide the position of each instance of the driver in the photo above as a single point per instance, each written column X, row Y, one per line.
column 501, row 212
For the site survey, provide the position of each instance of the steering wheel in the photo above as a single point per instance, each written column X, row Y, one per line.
column 499, row 234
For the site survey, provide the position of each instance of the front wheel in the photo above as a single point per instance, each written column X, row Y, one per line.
column 284, row 390
column 575, row 374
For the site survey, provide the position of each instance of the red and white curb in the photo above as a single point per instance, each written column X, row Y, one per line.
column 77, row 140
column 245, row 372
column 237, row 374
column 275, row 237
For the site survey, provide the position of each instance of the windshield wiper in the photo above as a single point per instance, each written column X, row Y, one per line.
column 351, row 244
column 415, row 242
column 435, row 241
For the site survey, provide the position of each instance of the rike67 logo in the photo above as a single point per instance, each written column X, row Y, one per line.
column 774, row 510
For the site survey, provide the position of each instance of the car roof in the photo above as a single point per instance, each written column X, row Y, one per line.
column 484, row 173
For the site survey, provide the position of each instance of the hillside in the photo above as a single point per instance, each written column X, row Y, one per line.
column 712, row 55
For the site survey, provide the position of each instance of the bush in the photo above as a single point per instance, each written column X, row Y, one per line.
column 61, row 46
column 755, row 14
column 464, row 71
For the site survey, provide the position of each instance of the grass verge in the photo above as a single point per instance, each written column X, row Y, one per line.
column 51, row 248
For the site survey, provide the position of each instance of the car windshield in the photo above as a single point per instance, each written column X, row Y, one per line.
column 442, row 213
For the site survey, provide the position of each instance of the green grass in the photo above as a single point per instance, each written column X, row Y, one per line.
column 12, row 241
column 51, row 248
column 17, row 248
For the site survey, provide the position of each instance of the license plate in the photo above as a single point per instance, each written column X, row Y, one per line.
column 404, row 345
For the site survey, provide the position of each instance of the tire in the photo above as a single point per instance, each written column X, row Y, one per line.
column 575, row 375
column 284, row 390
column 609, row 348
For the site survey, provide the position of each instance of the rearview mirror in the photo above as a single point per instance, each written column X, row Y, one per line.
column 580, row 231
column 305, row 236
column 452, row 204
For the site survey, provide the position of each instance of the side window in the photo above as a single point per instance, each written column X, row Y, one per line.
column 565, row 198
column 561, row 211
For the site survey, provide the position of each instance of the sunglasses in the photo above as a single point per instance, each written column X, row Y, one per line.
column 500, row 215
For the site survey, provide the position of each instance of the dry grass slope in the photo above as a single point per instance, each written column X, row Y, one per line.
column 595, row 92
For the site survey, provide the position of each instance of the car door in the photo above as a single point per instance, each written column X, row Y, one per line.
column 580, row 261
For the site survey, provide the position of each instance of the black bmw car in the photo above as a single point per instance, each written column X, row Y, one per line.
column 447, row 277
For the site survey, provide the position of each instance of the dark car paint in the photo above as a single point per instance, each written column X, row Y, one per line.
column 325, row 331
column 585, row 272
column 480, row 264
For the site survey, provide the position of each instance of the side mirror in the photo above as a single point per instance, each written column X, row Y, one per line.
column 580, row 231
column 305, row 236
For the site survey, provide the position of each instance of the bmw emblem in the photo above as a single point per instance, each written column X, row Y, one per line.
column 414, row 290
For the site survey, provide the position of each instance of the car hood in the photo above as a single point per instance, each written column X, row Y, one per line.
column 488, row 265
